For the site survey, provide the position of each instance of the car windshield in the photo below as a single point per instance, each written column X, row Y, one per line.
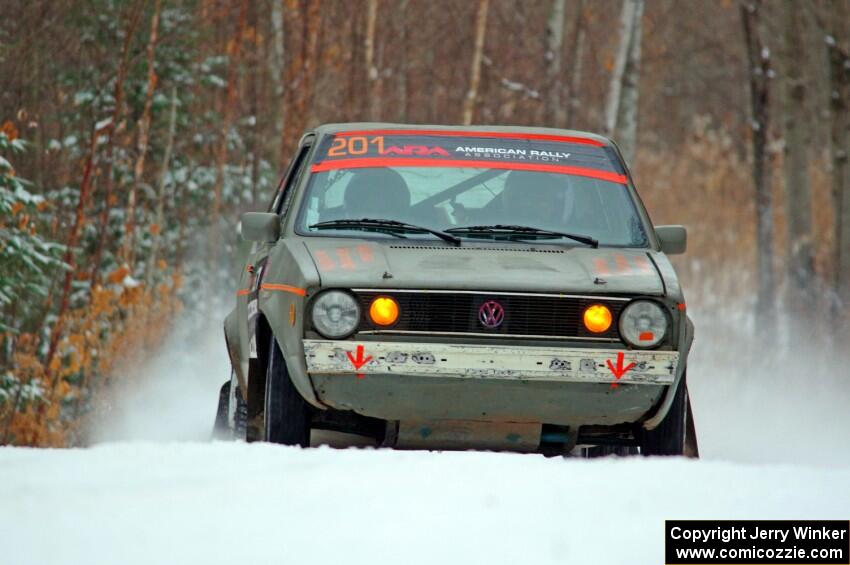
column 475, row 195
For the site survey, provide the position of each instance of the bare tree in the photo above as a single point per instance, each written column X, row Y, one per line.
column 144, row 135
column 133, row 18
column 839, row 148
column 159, row 221
column 577, row 60
column 797, row 133
column 373, row 75
column 555, row 111
column 403, row 65
column 234, row 52
column 277, row 70
column 622, row 107
column 758, row 59
column 477, row 56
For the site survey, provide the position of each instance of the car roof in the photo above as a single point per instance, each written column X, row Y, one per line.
column 366, row 126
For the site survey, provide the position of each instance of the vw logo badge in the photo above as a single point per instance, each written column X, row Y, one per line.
column 491, row 314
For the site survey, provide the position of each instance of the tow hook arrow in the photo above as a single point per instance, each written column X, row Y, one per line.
column 358, row 361
column 619, row 370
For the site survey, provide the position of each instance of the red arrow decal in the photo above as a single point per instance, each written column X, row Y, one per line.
column 619, row 370
column 358, row 361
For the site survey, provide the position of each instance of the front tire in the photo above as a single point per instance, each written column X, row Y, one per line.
column 675, row 435
column 286, row 415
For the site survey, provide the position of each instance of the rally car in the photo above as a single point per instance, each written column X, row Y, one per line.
column 444, row 287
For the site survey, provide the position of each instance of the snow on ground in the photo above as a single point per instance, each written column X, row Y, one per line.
column 187, row 503
column 772, row 431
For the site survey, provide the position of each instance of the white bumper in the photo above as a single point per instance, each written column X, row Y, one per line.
column 329, row 357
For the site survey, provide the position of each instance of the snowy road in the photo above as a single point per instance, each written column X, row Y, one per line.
column 236, row 503
column 772, row 436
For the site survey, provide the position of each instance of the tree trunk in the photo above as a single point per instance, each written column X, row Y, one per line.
column 555, row 110
column 839, row 148
column 117, row 111
column 403, row 65
column 622, row 107
column 144, row 134
column 758, row 58
column 234, row 52
column 156, row 234
column 301, row 69
column 577, row 55
column 798, row 207
column 477, row 56
column 277, row 70
column 51, row 375
column 373, row 78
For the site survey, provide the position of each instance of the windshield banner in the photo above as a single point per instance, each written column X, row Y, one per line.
column 462, row 149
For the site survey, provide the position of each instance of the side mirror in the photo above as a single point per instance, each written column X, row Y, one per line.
column 674, row 239
column 261, row 227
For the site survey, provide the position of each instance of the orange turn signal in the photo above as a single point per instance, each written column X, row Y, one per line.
column 597, row 318
column 384, row 311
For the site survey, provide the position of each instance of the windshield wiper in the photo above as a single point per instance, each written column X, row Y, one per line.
column 521, row 230
column 389, row 226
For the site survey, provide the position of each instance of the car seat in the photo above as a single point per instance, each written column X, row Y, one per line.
column 377, row 193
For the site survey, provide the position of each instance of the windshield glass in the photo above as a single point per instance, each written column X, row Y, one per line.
column 443, row 182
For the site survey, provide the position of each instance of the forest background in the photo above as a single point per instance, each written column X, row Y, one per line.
column 134, row 132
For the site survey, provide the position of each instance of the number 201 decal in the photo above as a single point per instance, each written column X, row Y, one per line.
column 343, row 146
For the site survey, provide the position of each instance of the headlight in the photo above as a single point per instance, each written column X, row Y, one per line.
column 643, row 323
column 335, row 314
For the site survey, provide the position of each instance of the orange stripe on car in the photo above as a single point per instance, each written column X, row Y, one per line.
column 601, row 266
column 345, row 261
column 284, row 288
column 642, row 263
column 622, row 263
column 324, row 260
column 243, row 292
column 365, row 253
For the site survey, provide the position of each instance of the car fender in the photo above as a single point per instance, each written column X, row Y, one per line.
column 283, row 294
column 684, row 349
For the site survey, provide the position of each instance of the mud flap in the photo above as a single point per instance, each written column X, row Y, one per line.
column 691, row 445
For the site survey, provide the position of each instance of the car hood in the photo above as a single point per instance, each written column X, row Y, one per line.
column 352, row 263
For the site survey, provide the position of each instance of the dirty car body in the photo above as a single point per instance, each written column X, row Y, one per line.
column 459, row 287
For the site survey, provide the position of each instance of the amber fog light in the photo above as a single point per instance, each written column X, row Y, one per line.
column 384, row 311
column 597, row 318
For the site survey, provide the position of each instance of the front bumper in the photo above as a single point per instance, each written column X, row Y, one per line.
column 442, row 360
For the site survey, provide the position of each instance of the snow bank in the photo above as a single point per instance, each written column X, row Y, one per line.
column 237, row 503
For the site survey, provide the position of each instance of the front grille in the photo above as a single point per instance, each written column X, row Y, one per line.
column 525, row 315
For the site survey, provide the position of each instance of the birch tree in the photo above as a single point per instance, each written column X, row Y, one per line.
column 373, row 76
column 555, row 110
column 622, row 106
column 759, row 70
column 477, row 56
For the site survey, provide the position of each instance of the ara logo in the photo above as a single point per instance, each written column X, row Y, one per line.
column 418, row 150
